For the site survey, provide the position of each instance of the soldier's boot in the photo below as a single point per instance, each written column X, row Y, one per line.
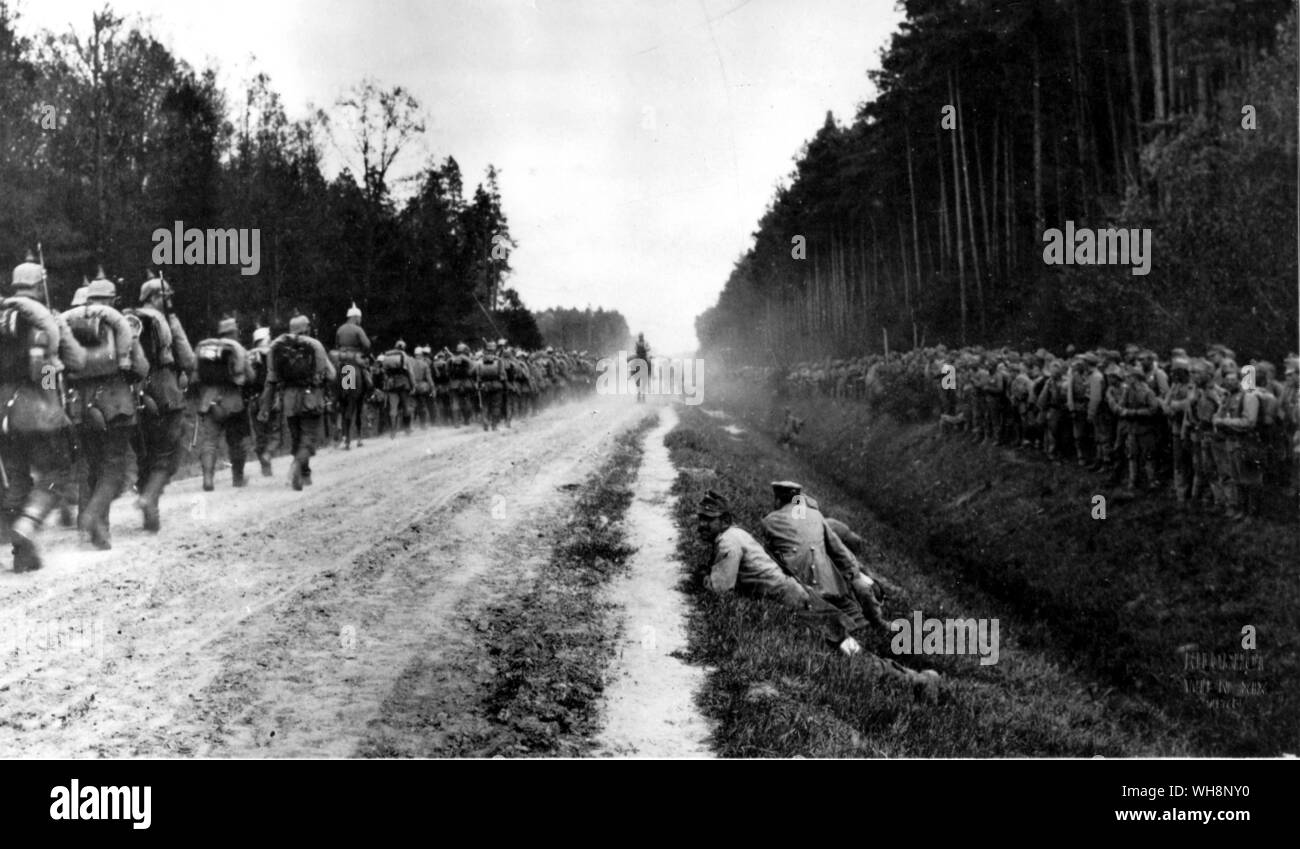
column 306, row 472
column 6, row 522
column 148, row 500
column 265, row 459
column 237, row 474
column 295, row 475
column 94, row 518
column 209, row 464
column 873, row 611
column 27, row 527
column 66, row 517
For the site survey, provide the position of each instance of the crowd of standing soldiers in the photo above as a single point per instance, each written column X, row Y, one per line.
column 1219, row 433
column 85, row 388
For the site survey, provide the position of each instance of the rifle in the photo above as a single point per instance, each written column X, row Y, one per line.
column 59, row 385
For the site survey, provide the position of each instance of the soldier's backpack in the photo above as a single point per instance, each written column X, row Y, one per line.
column 440, row 372
column 257, row 359
column 98, row 335
column 489, row 370
column 216, row 363
column 394, row 362
column 460, row 367
column 20, row 342
column 152, row 339
column 295, row 360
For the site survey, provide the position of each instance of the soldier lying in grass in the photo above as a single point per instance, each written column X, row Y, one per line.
column 740, row 562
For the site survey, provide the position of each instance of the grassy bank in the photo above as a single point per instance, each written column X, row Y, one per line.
column 1122, row 603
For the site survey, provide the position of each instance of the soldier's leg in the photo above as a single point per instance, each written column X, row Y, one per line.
column 393, row 415
column 44, row 472
column 237, row 434
column 111, row 450
column 1182, row 459
column 210, row 433
column 261, row 437
column 312, row 430
column 1227, row 493
column 16, row 456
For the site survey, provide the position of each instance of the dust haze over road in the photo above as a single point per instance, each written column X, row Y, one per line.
column 269, row 623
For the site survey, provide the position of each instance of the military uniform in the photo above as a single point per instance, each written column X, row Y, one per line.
column 34, row 439
column 489, row 383
column 461, row 383
column 263, row 429
column 303, row 400
column 799, row 539
column 1237, row 420
column 1138, row 411
column 158, row 442
column 399, row 380
column 222, row 373
column 103, row 403
column 422, row 388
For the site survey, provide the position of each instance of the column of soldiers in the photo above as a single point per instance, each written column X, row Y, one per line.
column 488, row 387
column 1217, row 433
column 85, row 388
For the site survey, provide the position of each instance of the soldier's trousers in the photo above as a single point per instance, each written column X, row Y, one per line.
column 1079, row 430
column 158, row 443
column 263, row 431
column 1225, row 494
column 234, row 430
column 1184, row 467
column 1203, row 475
column 399, row 410
column 1104, row 436
column 305, row 433
column 494, row 401
column 39, row 467
column 463, row 406
column 104, row 454
column 423, row 410
column 1140, row 446
column 1247, row 456
column 442, row 404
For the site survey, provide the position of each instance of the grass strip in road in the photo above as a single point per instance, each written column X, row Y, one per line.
column 552, row 646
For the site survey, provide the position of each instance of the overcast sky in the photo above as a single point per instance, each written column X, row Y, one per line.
column 638, row 142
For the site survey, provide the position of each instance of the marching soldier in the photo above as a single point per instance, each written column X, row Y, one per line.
column 299, row 370
column 103, row 402
column 442, row 400
column 222, row 372
column 422, row 389
column 489, row 383
column 35, row 463
column 262, row 429
column 462, row 386
column 168, row 350
column 399, row 380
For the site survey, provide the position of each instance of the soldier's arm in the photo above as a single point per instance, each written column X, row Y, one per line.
column 1096, row 395
column 843, row 559
column 725, row 566
column 365, row 340
column 139, row 362
column 324, row 368
column 181, row 348
column 1248, row 418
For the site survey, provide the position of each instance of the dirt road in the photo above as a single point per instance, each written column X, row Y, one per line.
column 267, row 623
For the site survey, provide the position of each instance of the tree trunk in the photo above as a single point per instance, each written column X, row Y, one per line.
column 911, row 191
column 1040, row 218
column 961, row 250
column 1157, row 61
column 1135, row 84
column 970, row 215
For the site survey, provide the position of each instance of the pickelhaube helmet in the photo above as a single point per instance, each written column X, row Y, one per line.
column 28, row 274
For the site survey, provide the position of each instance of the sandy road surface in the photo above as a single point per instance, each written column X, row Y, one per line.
column 267, row 623
column 650, row 707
